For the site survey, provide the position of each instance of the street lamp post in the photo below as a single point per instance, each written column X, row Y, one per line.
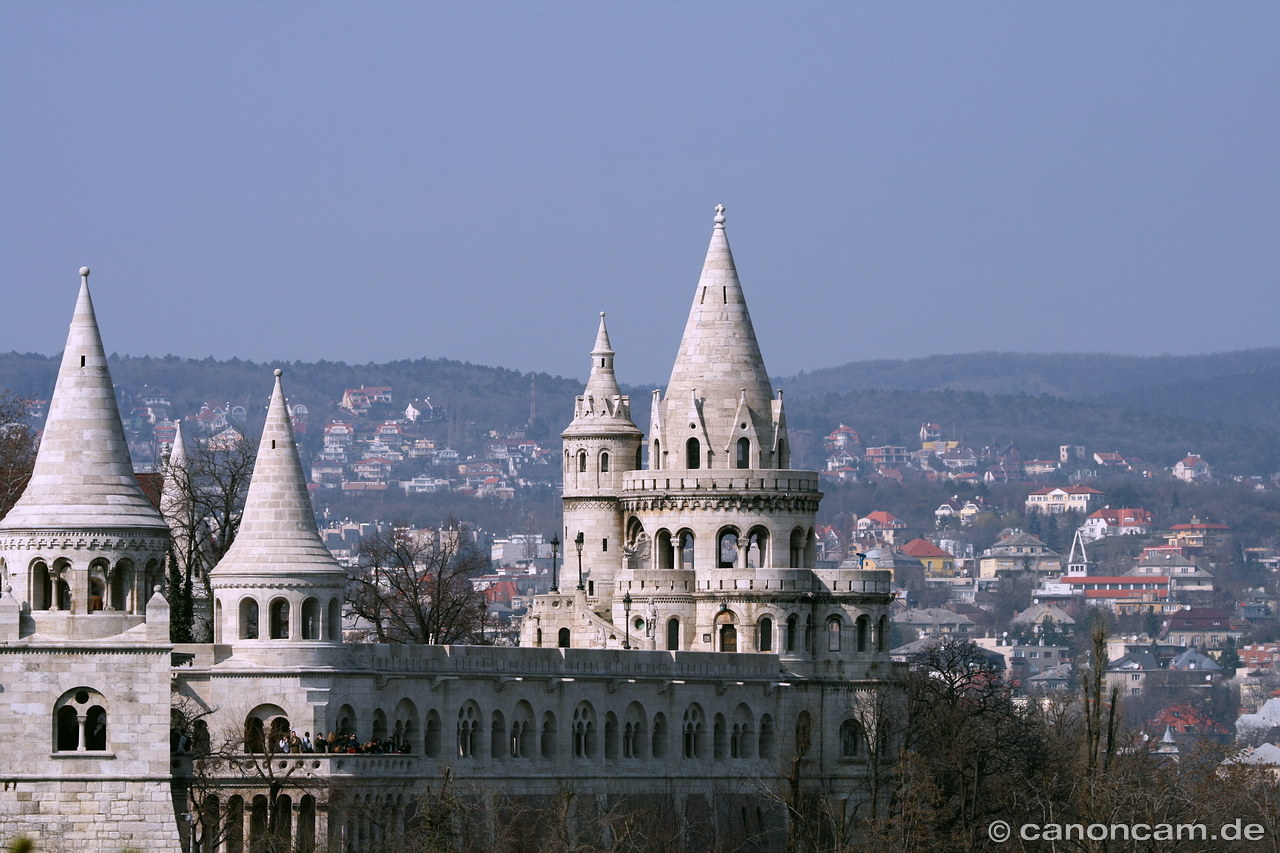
column 555, row 552
column 579, row 542
column 626, row 607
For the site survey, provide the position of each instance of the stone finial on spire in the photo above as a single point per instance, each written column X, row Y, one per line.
column 719, row 220
column 84, row 272
column 602, row 347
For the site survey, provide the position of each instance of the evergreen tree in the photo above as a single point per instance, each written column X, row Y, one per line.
column 180, row 606
column 1229, row 658
column 1033, row 523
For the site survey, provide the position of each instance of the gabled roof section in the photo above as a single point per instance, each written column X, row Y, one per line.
column 83, row 477
column 278, row 531
column 925, row 548
column 719, row 356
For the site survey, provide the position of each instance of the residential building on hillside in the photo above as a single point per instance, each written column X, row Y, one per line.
column 887, row 455
column 1188, row 583
column 1193, row 469
column 1017, row 552
column 1060, row 499
column 1040, row 467
column 1202, row 627
column 1197, row 538
column 843, row 438
column 964, row 510
column 1116, row 522
column 937, row 562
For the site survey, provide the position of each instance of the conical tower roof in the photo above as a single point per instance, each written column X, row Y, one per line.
column 171, row 492
column 602, row 383
column 278, row 534
column 602, row 405
column 719, row 358
column 83, row 477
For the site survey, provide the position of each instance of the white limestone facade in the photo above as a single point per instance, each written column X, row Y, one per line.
column 717, row 531
column 278, row 581
column 706, row 669
column 84, row 633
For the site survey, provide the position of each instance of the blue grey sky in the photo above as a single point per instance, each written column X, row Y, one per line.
column 374, row 181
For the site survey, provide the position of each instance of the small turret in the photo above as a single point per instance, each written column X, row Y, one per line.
column 83, row 545
column 278, row 581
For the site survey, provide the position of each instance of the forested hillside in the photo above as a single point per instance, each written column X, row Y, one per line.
column 1064, row 374
column 1038, row 425
column 1248, row 399
column 1230, row 420
column 492, row 396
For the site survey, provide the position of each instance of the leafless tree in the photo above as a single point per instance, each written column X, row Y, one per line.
column 204, row 503
column 415, row 586
column 17, row 449
column 234, row 759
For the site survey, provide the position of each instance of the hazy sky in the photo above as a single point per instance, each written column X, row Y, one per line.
column 373, row 181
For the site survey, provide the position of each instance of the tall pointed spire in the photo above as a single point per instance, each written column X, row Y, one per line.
column 602, row 384
column 719, row 365
column 83, row 476
column 278, row 532
column 172, row 495
column 602, row 405
column 719, row 355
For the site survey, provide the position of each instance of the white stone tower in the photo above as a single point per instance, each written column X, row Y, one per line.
column 84, row 631
column 718, row 545
column 278, row 589
column 600, row 446
column 83, row 540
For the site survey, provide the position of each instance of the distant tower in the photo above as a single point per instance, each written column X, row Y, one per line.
column 1078, row 561
column 600, row 446
column 533, row 398
column 278, row 586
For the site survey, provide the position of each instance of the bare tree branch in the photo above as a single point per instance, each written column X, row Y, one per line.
column 414, row 586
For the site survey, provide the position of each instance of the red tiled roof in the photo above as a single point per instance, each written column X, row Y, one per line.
column 882, row 517
column 924, row 548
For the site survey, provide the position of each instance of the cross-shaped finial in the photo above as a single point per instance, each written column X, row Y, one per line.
column 719, row 214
